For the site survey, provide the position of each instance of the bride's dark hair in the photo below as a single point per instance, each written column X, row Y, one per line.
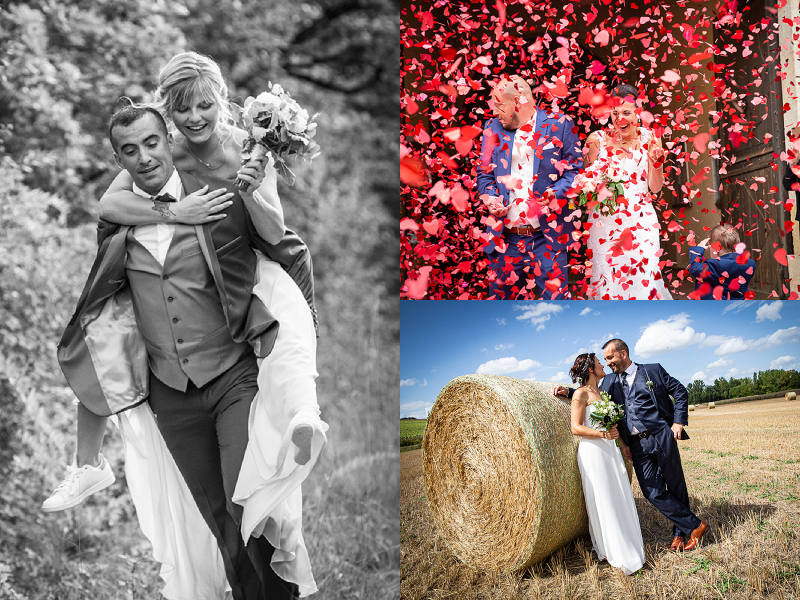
column 584, row 365
column 623, row 90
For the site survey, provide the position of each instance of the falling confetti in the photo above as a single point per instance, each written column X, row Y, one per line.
column 679, row 55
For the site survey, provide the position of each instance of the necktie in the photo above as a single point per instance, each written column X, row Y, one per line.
column 632, row 418
column 165, row 198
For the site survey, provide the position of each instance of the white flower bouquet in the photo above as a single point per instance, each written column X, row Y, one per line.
column 278, row 126
column 606, row 413
column 602, row 183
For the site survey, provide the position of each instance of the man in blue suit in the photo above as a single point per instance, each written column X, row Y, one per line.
column 529, row 159
column 649, row 432
column 723, row 269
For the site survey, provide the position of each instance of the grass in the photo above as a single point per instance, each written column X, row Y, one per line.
column 412, row 428
column 751, row 551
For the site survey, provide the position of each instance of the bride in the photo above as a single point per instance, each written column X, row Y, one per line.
column 624, row 245
column 613, row 522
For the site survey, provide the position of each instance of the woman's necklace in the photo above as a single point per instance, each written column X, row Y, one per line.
column 208, row 164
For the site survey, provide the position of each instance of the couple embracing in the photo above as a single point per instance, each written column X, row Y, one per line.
column 647, row 434
column 533, row 178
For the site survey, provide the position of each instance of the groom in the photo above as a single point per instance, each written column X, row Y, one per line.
column 650, row 430
column 529, row 159
column 193, row 303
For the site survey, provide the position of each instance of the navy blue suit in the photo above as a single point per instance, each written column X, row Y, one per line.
column 656, row 459
column 721, row 271
column 555, row 146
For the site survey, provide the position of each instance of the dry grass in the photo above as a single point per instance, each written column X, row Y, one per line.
column 742, row 468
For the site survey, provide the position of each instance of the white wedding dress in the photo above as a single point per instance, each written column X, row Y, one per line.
column 634, row 274
column 613, row 522
column 269, row 481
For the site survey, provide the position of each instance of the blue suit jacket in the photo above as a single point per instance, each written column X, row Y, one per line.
column 554, row 141
column 711, row 271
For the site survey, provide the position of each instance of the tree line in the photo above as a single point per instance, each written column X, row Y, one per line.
column 762, row 382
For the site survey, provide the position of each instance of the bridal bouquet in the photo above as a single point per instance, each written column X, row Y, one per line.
column 276, row 125
column 606, row 412
column 601, row 183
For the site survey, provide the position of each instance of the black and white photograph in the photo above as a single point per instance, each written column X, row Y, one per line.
column 198, row 289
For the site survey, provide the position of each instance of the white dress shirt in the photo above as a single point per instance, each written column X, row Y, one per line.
column 156, row 238
column 521, row 176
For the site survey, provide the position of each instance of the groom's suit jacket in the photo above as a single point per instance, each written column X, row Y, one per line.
column 227, row 246
column 556, row 147
column 653, row 405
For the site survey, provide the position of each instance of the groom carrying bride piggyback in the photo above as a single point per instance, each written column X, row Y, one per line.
column 649, row 430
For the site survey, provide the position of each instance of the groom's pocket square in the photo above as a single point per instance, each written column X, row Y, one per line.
column 548, row 146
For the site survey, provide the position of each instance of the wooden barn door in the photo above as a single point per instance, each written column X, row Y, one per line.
column 761, row 210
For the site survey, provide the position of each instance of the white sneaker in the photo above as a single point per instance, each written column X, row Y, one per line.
column 78, row 484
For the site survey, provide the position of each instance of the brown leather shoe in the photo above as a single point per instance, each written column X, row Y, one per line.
column 697, row 534
column 677, row 544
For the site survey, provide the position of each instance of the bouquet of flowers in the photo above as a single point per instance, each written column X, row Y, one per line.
column 276, row 125
column 601, row 183
column 606, row 413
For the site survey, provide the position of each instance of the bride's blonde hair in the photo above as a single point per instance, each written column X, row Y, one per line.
column 190, row 75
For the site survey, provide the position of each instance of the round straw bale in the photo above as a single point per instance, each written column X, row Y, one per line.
column 791, row 395
column 501, row 474
column 691, row 407
column 711, row 405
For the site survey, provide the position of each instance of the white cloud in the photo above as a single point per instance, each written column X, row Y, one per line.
column 779, row 338
column 699, row 376
column 424, row 383
column 560, row 377
column 783, row 362
column 503, row 346
column 732, row 346
column 718, row 364
column 417, row 410
column 736, row 307
column 538, row 312
column 501, row 321
column 407, row 382
column 734, row 372
column 501, row 366
column 586, row 311
column 769, row 311
column 667, row 335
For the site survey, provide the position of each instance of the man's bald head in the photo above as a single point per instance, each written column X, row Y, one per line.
column 513, row 102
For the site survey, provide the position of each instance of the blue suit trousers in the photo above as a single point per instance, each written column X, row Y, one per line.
column 660, row 474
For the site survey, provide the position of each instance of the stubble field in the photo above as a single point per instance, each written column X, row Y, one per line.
column 742, row 467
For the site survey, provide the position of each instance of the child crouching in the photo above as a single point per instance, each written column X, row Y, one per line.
column 726, row 273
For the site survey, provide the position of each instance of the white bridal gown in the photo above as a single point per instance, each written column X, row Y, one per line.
column 613, row 522
column 268, row 486
column 635, row 274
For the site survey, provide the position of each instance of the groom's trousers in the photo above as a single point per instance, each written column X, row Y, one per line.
column 526, row 256
column 657, row 463
column 206, row 431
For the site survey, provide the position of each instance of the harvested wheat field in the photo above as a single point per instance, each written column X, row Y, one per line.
column 742, row 467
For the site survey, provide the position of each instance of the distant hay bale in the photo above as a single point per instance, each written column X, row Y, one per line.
column 791, row 396
column 711, row 405
column 691, row 407
column 501, row 474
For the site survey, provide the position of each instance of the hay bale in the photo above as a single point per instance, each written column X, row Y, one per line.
column 711, row 405
column 501, row 474
column 791, row 396
column 691, row 407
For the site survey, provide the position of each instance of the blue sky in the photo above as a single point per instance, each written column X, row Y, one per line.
column 442, row 339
